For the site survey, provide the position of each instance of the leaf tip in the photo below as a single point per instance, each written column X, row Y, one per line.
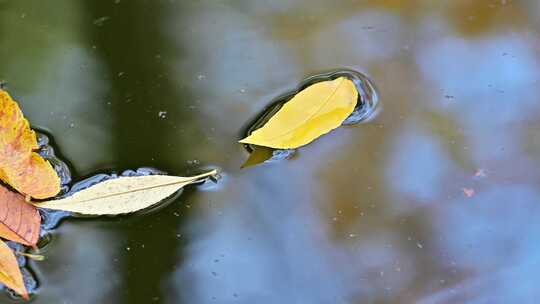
column 25, row 296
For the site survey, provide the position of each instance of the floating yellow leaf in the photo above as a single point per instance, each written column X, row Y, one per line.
column 314, row 111
column 10, row 273
column 123, row 195
column 20, row 166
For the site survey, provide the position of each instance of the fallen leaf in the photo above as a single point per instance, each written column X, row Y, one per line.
column 21, row 167
column 480, row 173
column 469, row 192
column 10, row 273
column 19, row 221
column 123, row 195
column 314, row 111
column 258, row 155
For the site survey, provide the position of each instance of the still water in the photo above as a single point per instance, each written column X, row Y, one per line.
column 434, row 201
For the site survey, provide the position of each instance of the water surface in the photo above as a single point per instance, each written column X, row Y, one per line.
column 434, row 201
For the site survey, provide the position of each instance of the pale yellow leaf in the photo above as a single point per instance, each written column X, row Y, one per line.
column 123, row 195
column 314, row 111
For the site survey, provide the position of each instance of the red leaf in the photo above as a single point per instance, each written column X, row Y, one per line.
column 19, row 220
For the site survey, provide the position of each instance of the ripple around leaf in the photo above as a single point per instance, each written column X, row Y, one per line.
column 366, row 108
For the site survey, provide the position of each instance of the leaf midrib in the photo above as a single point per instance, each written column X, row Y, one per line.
column 188, row 181
column 312, row 115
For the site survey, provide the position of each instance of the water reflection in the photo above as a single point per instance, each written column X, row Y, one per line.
column 375, row 213
column 77, row 266
column 417, row 167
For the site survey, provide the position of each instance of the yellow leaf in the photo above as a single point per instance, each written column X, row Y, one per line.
column 10, row 273
column 123, row 195
column 314, row 111
column 21, row 167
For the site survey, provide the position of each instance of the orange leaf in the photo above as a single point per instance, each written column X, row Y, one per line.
column 19, row 221
column 10, row 273
column 21, row 167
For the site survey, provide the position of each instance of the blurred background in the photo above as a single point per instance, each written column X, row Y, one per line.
column 434, row 201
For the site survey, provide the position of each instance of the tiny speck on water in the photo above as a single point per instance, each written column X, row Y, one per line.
column 162, row 114
column 193, row 162
column 100, row 21
column 419, row 245
column 480, row 173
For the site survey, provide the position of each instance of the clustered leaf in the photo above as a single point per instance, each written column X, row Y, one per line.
column 29, row 174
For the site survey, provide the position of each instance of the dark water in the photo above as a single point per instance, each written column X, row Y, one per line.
column 434, row 201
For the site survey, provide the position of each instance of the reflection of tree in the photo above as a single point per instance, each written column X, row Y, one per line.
column 480, row 17
column 131, row 44
column 360, row 206
column 31, row 32
column 469, row 18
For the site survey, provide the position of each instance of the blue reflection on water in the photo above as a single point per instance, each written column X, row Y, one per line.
column 495, row 236
column 417, row 165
